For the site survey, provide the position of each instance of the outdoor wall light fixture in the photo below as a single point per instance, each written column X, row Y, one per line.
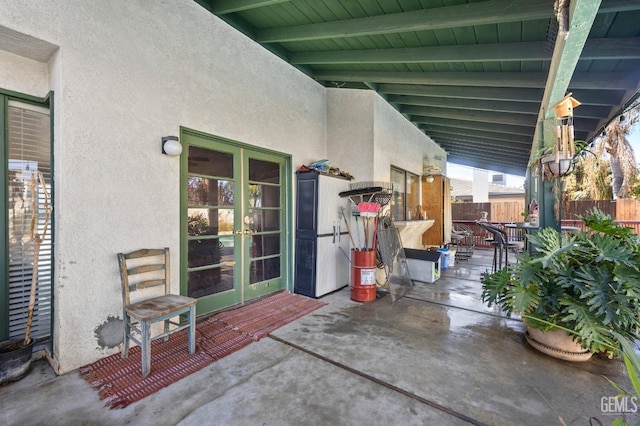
column 429, row 179
column 171, row 146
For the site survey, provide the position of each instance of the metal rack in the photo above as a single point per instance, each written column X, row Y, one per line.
column 371, row 191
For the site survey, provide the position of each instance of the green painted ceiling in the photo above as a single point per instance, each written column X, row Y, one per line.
column 474, row 75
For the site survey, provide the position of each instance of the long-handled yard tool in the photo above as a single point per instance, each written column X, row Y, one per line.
column 359, row 237
column 346, row 222
column 38, row 239
column 375, row 232
column 367, row 210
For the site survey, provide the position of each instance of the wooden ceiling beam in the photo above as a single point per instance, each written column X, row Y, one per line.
column 475, row 125
column 490, row 156
column 489, row 161
column 496, row 166
column 505, row 147
column 478, row 79
column 463, row 92
column 222, row 7
column 607, row 98
column 484, row 116
column 467, row 104
column 485, row 134
column 495, row 52
column 595, row 49
column 536, row 80
column 464, row 15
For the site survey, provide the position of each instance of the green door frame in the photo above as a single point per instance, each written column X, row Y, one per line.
column 287, row 253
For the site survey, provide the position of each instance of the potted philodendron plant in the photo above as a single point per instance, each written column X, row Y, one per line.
column 587, row 282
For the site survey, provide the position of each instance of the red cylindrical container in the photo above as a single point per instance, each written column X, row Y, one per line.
column 363, row 275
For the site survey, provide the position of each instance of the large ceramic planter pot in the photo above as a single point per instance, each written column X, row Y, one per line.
column 557, row 343
column 15, row 360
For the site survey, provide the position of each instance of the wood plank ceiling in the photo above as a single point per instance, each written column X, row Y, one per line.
column 470, row 73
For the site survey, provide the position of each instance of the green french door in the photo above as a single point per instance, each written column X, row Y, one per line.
column 233, row 220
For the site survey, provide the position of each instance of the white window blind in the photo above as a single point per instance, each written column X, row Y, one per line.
column 29, row 153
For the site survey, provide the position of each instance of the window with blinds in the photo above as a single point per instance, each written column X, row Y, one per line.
column 29, row 153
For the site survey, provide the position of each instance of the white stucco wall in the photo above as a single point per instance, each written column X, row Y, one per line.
column 128, row 72
column 398, row 142
column 367, row 136
column 23, row 75
column 350, row 131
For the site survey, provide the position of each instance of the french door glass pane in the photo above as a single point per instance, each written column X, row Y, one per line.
column 210, row 192
column 264, row 196
column 264, row 269
column 210, row 281
column 210, row 222
column 265, row 220
column 265, row 214
column 265, row 245
column 264, row 171
column 206, row 162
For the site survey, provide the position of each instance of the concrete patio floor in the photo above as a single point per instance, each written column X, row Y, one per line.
column 437, row 356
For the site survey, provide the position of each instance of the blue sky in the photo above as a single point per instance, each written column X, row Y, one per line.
column 463, row 172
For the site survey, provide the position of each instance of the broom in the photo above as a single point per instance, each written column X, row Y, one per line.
column 367, row 210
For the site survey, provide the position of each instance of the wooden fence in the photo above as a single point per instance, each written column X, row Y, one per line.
column 480, row 235
column 621, row 210
column 626, row 212
column 509, row 211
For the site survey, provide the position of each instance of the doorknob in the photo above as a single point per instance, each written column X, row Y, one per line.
column 239, row 232
column 247, row 232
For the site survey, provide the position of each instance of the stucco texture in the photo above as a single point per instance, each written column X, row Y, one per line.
column 127, row 72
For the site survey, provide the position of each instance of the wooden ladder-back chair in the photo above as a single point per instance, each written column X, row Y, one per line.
column 143, row 269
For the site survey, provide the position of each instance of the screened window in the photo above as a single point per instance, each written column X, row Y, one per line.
column 29, row 154
column 406, row 199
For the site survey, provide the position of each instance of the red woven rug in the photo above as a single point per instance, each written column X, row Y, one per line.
column 120, row 382
column 262, row 317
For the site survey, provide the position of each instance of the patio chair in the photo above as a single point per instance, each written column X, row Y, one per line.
column 509, row 245
column 462, row 239
column 501, row 244
column 143, row 269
